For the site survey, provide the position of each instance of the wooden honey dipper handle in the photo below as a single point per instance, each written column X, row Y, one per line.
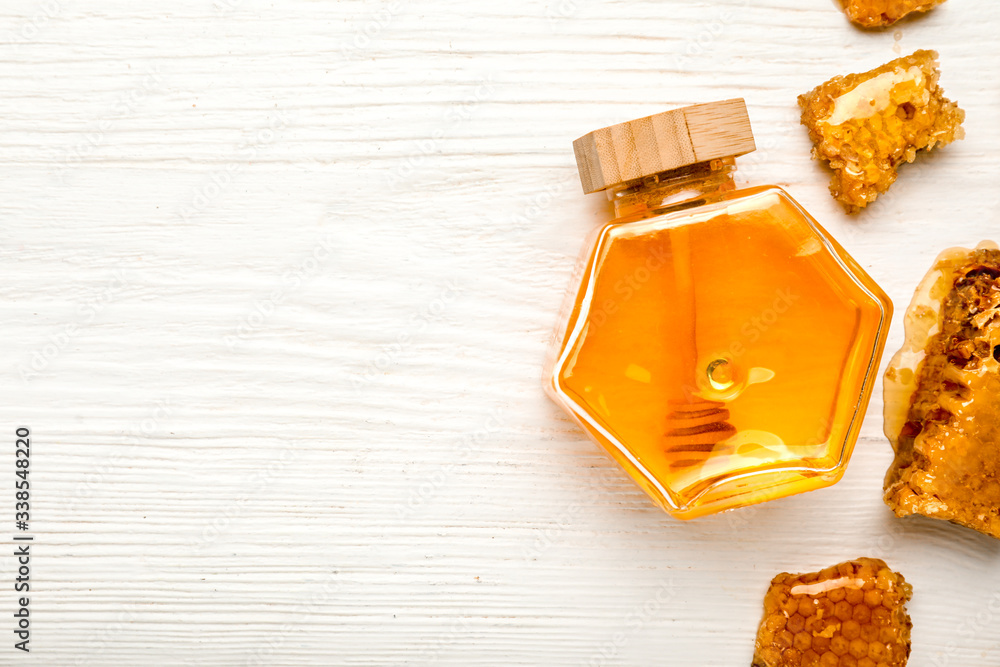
column 694, row 429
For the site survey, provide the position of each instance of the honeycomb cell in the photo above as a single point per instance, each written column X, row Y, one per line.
column 866, row 125
column 881, row 13
column 869, row 632
column 776, row 623
column 942, row 396
column 789, row 606
column 862, row 614
column 796, row 623
column 876, row 651
column 854, row 635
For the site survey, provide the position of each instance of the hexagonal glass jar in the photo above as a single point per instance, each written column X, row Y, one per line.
column 718, row 343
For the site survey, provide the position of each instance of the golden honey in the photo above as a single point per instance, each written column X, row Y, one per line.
column 942, row 395
column 881, row 13
column 865, row 126
column 718, row 343
column 849, row 615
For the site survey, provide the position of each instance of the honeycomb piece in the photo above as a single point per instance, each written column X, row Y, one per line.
column 848, row 615
column 942, row 395
column 880, row 13
column 866, row 125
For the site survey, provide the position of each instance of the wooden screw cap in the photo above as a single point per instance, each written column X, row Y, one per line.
column 669, row 140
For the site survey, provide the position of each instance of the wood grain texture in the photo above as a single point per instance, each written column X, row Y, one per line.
column 276, row 281
column 665, row 141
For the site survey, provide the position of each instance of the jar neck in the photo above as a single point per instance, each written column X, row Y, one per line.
column 679, row 188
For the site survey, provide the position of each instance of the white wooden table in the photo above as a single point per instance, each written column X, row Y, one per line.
column 276, row 282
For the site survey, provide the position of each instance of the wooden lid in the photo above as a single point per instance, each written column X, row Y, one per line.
column 669, row 140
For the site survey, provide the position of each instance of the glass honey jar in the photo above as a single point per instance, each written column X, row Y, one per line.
column 717, row 342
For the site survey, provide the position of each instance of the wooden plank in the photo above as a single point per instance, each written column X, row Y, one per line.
column 277, row 281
